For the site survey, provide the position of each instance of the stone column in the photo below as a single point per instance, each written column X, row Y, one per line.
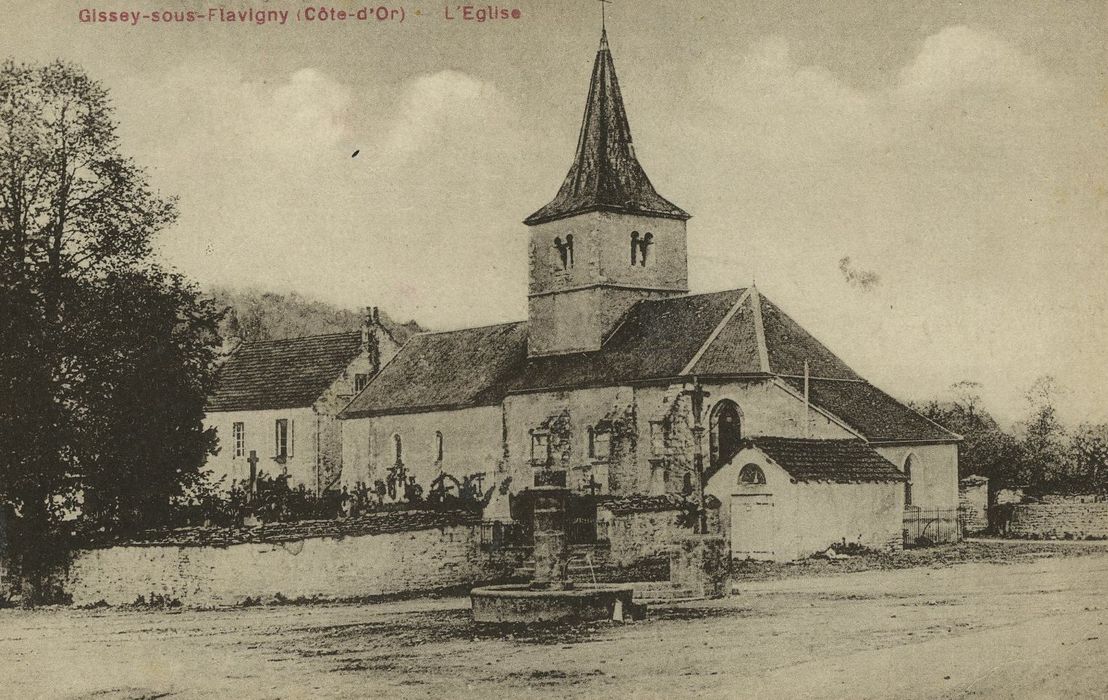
column 550, row 538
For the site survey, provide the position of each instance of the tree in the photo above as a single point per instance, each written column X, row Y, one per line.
column 104, row 358
column 1088, row 457
column 1043, row 446
column 986, row 449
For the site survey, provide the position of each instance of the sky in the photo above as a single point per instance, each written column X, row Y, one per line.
column 922, row 185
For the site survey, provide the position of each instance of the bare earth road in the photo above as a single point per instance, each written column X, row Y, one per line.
column 1034, row 628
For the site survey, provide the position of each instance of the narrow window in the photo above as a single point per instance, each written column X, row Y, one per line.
column 634, row 248
column 908, row 465
column 540, row 449
column 602, row 445
column 360, row 382
column 398, row 447
column 565, row 250
column 438, row 446
column 644, row 246
column 657, row 437
column 592, row 443
column 238, row 439
column 281, row 438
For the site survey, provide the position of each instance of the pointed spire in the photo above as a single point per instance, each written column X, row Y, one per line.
column 605, row 175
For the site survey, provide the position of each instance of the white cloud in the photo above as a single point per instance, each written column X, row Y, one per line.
column 959, row 58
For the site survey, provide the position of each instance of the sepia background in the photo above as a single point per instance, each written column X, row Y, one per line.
column 921, row 185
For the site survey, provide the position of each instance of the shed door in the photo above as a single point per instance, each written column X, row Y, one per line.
column 753, row 526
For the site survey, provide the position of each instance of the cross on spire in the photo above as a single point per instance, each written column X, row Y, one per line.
column 603, row 18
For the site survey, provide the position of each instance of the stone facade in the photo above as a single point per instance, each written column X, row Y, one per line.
column 471, row 444
column 973, row 504
column 324, row 567
column 572, row 308
column 1073, row 520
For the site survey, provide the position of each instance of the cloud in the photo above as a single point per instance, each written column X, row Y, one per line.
column 958, row 58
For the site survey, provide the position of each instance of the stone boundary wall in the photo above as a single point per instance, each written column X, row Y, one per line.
column 1058, row 520
column 339, row 567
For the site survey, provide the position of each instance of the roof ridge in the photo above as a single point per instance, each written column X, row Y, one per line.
column 760, row 330
column 249, row 343
column 716, row 331
column 470, row 328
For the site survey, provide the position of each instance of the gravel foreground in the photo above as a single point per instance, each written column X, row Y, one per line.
column 980, row 619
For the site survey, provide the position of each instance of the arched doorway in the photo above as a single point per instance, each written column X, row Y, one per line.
column 725, row 432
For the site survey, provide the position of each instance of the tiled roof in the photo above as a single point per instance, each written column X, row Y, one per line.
column 656, row 339
column 451, row 369
column 732, row 333
column 605, row 175
column 841, row 461
column 872, row 412
column 289, row 373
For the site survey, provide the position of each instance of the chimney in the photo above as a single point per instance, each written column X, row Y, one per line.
column 367, row 324
column 370, row 341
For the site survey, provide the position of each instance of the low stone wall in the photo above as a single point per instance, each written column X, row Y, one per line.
column 1057, row 520
column 337, row 567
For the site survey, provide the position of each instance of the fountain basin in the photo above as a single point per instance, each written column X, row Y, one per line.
column 515, row 603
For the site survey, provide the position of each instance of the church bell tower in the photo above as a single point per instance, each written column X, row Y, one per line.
column 607, row 240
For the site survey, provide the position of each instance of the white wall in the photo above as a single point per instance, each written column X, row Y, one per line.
column 810, row 516
column 260, row 427
column 326, row 567
column 471, row 444
column 934, row 473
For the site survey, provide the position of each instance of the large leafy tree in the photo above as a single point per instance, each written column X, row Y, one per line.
column 986, row 449
column 104, row 358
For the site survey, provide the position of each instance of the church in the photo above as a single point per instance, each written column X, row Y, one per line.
column 624, row 387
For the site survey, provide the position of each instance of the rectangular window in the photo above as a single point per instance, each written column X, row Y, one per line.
column 658, row 437
column 238, row 439
column 540, row 449
column 602, row 446
column 281, row 438
column 360, row 382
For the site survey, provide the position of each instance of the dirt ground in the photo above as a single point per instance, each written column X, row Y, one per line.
column 982, row 620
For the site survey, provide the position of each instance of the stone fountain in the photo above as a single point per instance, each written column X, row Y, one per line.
column 550, row 596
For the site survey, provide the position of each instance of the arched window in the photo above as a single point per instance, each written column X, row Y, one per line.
column 438, row 445
column 751, row 474
column 644, row 246
column 724, row 432
column 592, row 442
column 569, row 249
column 634, row 248
column 398, row 446
column 909, row 464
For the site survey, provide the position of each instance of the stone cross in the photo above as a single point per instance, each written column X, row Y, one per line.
column 252, row 489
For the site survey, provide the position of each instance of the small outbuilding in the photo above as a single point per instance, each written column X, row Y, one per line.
column 787, row 498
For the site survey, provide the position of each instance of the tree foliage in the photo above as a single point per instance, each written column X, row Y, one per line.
column 1040, row 452
column 105, row 358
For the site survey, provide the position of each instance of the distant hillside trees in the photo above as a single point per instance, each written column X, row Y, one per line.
column 254, row 315
column 105, row 358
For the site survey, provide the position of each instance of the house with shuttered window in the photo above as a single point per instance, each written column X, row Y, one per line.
column 278, row 400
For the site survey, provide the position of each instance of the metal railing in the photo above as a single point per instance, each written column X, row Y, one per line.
column 923, row 526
